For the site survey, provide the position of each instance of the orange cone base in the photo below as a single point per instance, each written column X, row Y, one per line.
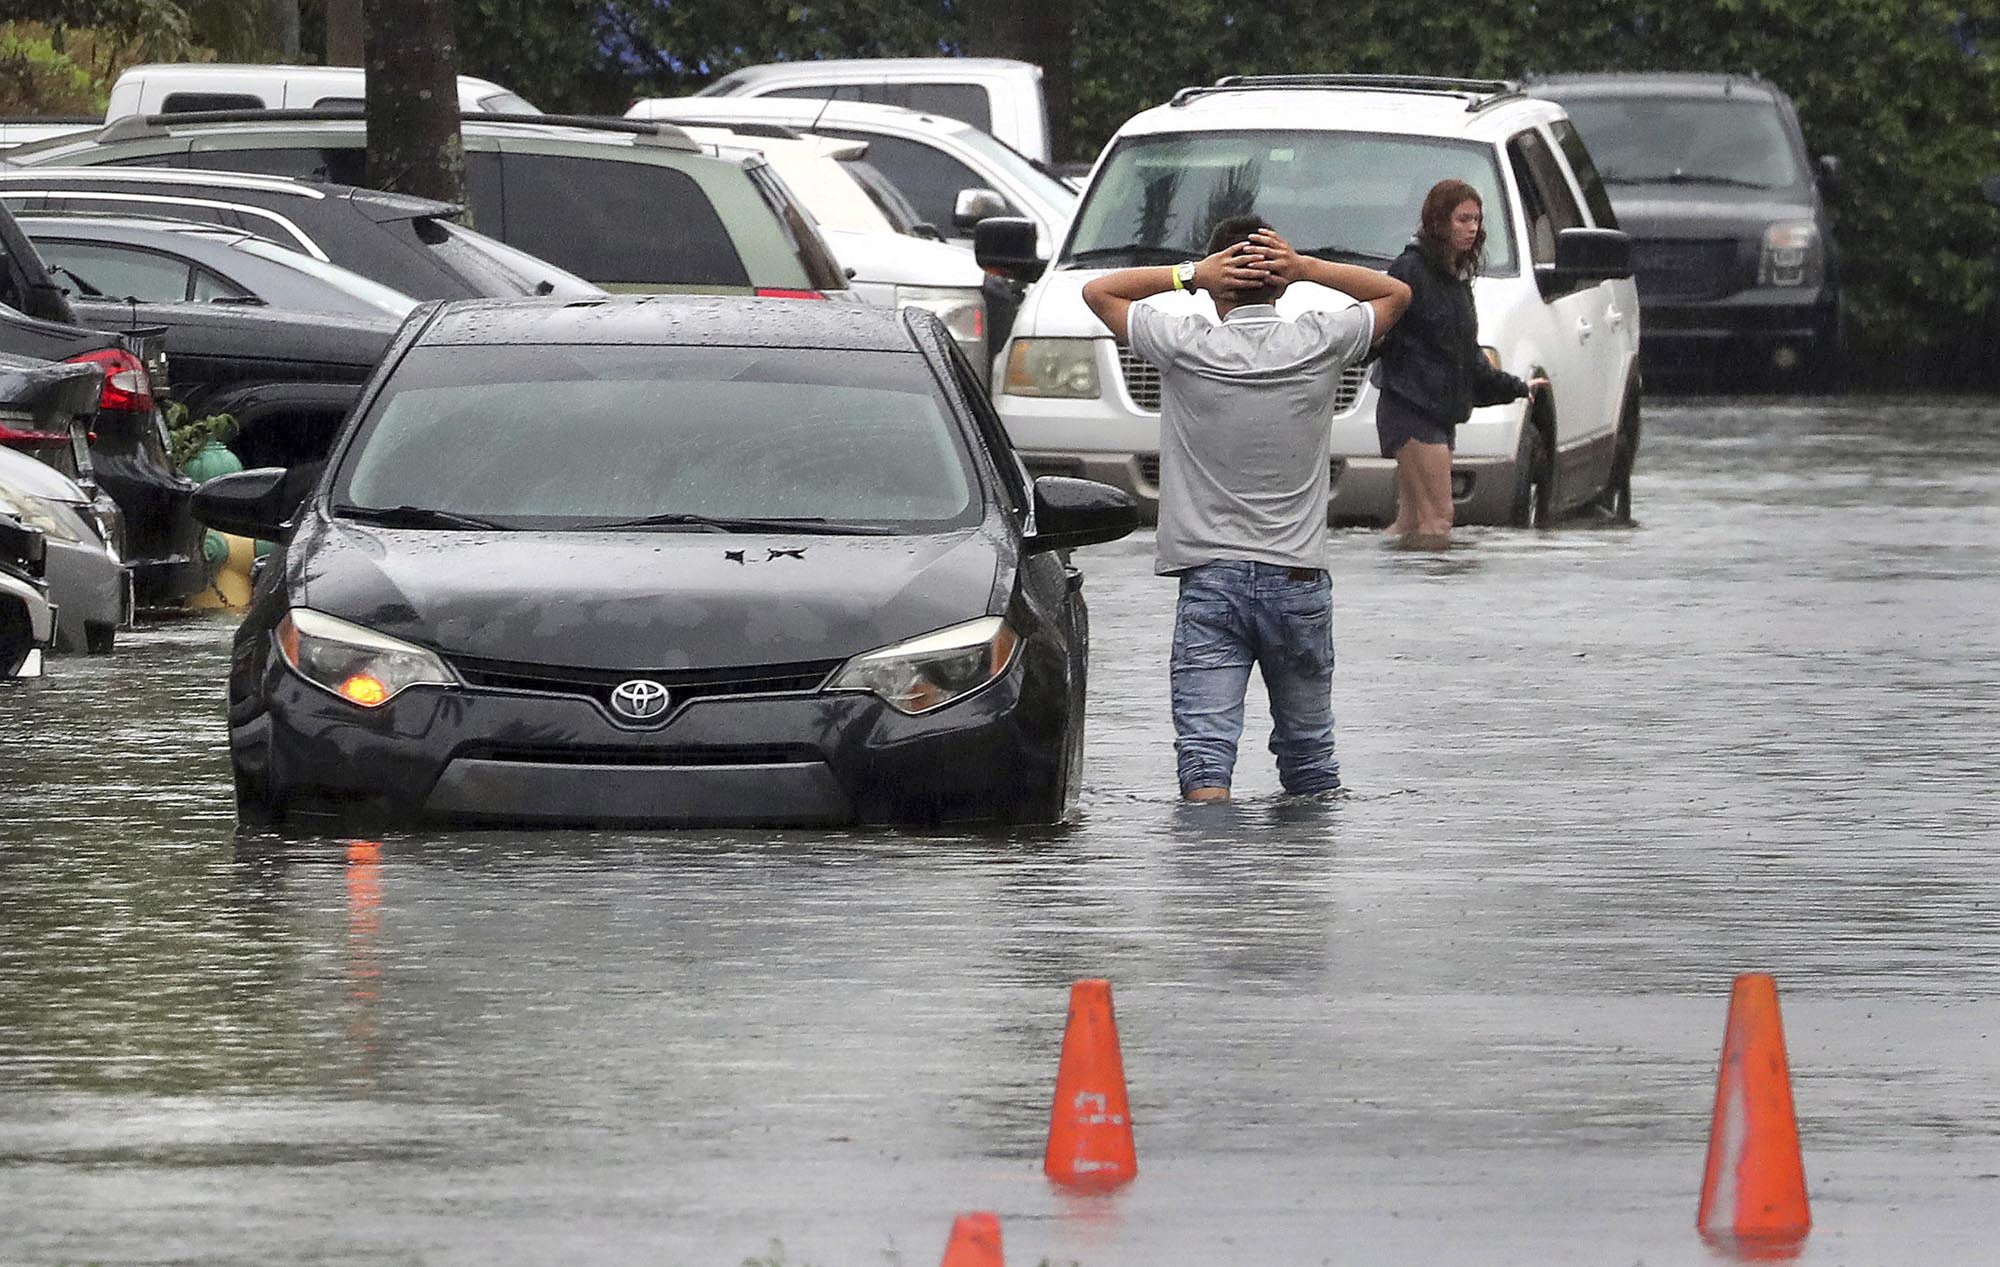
column 1090, row 1123
column 1754, row 1191
column 975, row 1242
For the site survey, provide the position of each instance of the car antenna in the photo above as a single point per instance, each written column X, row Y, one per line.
column 824, row 102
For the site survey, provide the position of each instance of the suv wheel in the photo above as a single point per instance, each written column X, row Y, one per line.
column 1534, row 480
column 1616, row 499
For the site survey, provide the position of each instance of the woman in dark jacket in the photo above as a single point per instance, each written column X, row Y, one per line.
column 1433, row 372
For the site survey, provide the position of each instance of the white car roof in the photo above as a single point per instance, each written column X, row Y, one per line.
column 859, row 68
column 796, row 112
column 223, row 72
column 1341, row 109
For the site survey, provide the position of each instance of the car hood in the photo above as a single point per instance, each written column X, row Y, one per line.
column 1703, row 211
column 647, row 599
column 895, row 259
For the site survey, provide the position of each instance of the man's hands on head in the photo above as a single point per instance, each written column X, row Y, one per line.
column 1274, row 257
column 1232, row 270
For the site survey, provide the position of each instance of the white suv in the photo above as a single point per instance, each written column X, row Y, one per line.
column 1339, row 164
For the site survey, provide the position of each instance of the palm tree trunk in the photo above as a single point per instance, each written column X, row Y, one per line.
column 414, row 146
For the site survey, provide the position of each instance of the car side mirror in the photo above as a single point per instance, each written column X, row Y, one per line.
column 1828, row 169
column 255, row 503
column 1006, row 245
column 974, row 205
column 1991, row 188
column 1585, row 256
column 1073, row 512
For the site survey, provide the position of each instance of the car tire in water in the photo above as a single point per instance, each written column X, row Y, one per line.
column 1534, row 479
column 1616, row 499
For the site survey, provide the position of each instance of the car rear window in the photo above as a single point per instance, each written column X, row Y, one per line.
column 578, row 435
column 618, row 223
column 193, row 102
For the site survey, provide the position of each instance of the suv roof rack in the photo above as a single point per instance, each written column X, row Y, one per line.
column 647, row 131
column 1477, row 93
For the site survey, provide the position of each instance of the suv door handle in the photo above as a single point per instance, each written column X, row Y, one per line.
column 1582, row 330
column 1615, row 317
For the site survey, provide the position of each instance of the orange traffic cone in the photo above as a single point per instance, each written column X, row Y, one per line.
column 1755, row 1188
column 975, row 1242
column 1090, row 1125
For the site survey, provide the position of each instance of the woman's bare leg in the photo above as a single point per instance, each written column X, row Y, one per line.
column 1408, row 495
column 1431, row 480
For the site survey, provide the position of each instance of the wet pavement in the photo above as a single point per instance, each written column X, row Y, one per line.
column 1469, row 1015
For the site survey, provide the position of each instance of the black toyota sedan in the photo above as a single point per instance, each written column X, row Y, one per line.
column 664, row 560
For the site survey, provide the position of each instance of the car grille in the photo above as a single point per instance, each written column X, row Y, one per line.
column 1685, row 268
column 683, row 685
column 1142, row 383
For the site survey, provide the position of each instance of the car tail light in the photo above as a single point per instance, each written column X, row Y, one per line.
column 779, row 292
column 128, row 389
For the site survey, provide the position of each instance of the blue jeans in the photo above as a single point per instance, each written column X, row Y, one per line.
column 1234, row 614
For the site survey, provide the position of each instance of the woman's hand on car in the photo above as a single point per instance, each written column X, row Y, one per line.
column 1537, row 386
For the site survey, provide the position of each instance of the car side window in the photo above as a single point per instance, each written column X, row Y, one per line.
column 210, row 287
column 1545, row 197
column 928, row 177
column 992, row 432
column 339, row 164
column 964, row 102
column 1578, row 154
column 618, row 223
column 118, row 272
column 192, row 102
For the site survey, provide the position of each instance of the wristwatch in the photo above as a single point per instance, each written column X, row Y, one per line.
column 1184, row 275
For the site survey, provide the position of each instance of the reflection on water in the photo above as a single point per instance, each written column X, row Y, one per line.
column 1596, row 773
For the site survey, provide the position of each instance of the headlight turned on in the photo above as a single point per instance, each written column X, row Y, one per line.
column 927, row 673
column 361, row 666
column 1791, row 255
column 1062, row 368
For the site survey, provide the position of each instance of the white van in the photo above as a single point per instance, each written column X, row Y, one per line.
column 182, row 88
column 1001, row 98
column 1339, row 164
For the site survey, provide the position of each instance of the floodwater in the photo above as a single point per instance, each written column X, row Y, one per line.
column 1469, row 1015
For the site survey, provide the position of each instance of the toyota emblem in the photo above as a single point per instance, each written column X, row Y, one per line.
column 641, row 699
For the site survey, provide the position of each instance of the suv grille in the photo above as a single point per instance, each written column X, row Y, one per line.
column 1685, row 268
column 1142, row 383
column 1149, row 470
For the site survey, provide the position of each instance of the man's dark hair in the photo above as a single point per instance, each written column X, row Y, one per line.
column 1233, row 229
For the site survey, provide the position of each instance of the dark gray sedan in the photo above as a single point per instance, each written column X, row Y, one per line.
column 160, row 261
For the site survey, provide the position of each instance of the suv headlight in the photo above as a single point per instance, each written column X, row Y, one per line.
column 929, row 672
column 53, row 518
column 962, row 311
column 1792, row 255
column 357, row 664
column 1063, row 368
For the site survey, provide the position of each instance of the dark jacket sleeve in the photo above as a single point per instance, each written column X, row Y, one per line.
column 1494, row 387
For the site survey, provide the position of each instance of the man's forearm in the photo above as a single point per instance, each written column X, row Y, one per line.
column 1360, row 283
column 1133, row 283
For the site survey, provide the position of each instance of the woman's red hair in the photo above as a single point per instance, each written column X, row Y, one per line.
column 1434, row 227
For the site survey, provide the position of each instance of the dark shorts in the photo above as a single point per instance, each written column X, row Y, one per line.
column 1396, row 422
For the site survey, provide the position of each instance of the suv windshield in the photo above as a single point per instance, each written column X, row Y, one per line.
column 573, row 436
column 1717, row 140
column 1347, row 195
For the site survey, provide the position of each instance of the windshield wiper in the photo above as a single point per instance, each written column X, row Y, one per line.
column 88, row 291
column 1345, row 255
column 734, row 523
column 415, row 517
column 1685, row 178
column 1138, row 252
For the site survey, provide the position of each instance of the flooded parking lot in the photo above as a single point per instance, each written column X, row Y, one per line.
column 1469, row 1014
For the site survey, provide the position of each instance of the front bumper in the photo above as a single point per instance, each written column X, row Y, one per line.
column 479, row 756
column 89, row 588
column 1755, row 325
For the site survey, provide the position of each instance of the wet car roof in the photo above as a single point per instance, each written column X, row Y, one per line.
column 698, row 320
column 1652, row 84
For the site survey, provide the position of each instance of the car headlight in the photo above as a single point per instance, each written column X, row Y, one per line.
column 1792, row 255
column 1063, row 368
column 55, row 519
column 357, row 664
column 962, row 311
column 929, row 672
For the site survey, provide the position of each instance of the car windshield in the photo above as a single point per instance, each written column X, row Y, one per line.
column 1341, row 195
column 1715, row 140
column 371, row 293
column 579, row 437
column 1052, row 193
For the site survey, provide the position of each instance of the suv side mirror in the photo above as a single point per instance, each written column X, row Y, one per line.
column 1828, row 169
column 1006, row 245
column 1073, row 512
column 1584, row 256
column 974, row 205
column 252, row 503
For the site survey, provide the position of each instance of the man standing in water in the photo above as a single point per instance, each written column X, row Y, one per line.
column 1245, row 413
